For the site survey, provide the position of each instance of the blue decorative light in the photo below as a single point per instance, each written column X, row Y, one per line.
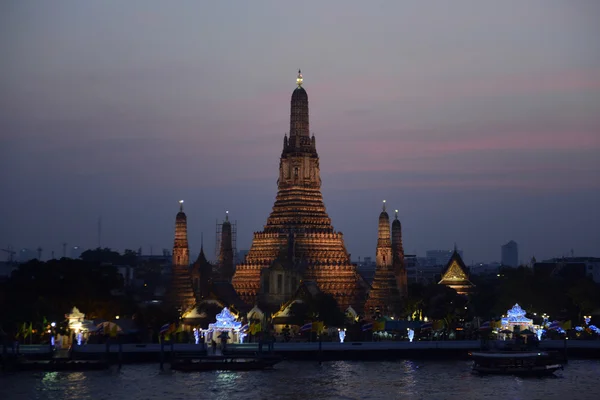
column 225, row 319
column 79, row 338
column 197, row 335
column 411, row 335
column 579, row 329
column 342, row 335
column 539, row 333
column 516, row 316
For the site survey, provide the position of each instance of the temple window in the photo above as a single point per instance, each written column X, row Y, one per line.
column 296, row 171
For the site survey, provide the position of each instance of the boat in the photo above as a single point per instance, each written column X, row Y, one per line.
column 525, row 363
column 224, row 363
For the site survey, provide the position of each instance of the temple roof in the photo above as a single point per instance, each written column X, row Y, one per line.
column 456, row 272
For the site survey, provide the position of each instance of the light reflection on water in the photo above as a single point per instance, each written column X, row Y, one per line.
column 305, row 381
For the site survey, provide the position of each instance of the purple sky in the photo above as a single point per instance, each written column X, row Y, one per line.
column 479, row 122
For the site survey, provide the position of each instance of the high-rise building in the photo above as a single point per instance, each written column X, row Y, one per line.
column 181, row 292
column 510, row 254
column 299, row 217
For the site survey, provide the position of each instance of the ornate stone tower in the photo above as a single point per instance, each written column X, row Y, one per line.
column 181, row 293
column 299, row 212
column 202, row 274
column 225, row 266
column 383, row 296
column 398, row 258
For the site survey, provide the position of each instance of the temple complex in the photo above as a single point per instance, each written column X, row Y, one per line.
column 181, row 292
column 456, row 275
column 383, row 296
column 299, row 215
column 398, row 258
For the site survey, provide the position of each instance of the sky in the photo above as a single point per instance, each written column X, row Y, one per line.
column 478, row 120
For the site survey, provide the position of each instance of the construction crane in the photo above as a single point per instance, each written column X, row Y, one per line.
column 10, row 252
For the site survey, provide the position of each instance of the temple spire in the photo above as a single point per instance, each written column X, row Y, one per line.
column 181, row 205
column 226, row 216
column 299, row 78
column 383, row 205
column 396, row 214
column 201, row 242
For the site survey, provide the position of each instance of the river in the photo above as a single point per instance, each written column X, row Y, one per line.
column 306, row 381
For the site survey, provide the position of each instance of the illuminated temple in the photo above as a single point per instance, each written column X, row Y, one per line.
column 181, row 291
column 299, row 226
column 384, row 296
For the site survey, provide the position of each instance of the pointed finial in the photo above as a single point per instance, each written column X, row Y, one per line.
column 383, row 205
column 299, row 78
column 226, row 215
column 396, row 211
column 180, row 205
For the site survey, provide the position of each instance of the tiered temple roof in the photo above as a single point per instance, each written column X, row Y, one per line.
column 299, row 211
column 456, row 275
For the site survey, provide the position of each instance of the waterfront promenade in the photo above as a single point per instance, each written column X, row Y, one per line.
column 306, row 350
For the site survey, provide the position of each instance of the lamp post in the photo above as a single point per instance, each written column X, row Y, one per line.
column 587, row 319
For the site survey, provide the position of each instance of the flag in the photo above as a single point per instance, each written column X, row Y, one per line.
column 379, row 326
column 100, row 329
column 438, row 324
column 165, row 328
column 367, row 327
column 427, row 325
column 306, row 327
column 114, row 330
column 317, row 326
column 485, row 326
column 566, row 325
column 554, row 325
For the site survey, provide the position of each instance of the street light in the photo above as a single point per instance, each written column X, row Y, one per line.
column 587, row 319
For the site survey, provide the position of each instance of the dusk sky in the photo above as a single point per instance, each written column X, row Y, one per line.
column 478, row 120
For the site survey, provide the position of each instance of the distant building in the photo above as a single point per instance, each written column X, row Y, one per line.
column 441, row 257
column 569, row 268
column 510, row 254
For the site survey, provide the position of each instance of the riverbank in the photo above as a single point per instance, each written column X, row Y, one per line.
column 326, row 351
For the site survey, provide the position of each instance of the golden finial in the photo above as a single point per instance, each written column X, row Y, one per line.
column 226, row 215
column 299, row 78
column 396, row 211
column 384, row 205
column 180, row 205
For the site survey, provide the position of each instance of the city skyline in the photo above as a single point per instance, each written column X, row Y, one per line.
column 478, row 137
